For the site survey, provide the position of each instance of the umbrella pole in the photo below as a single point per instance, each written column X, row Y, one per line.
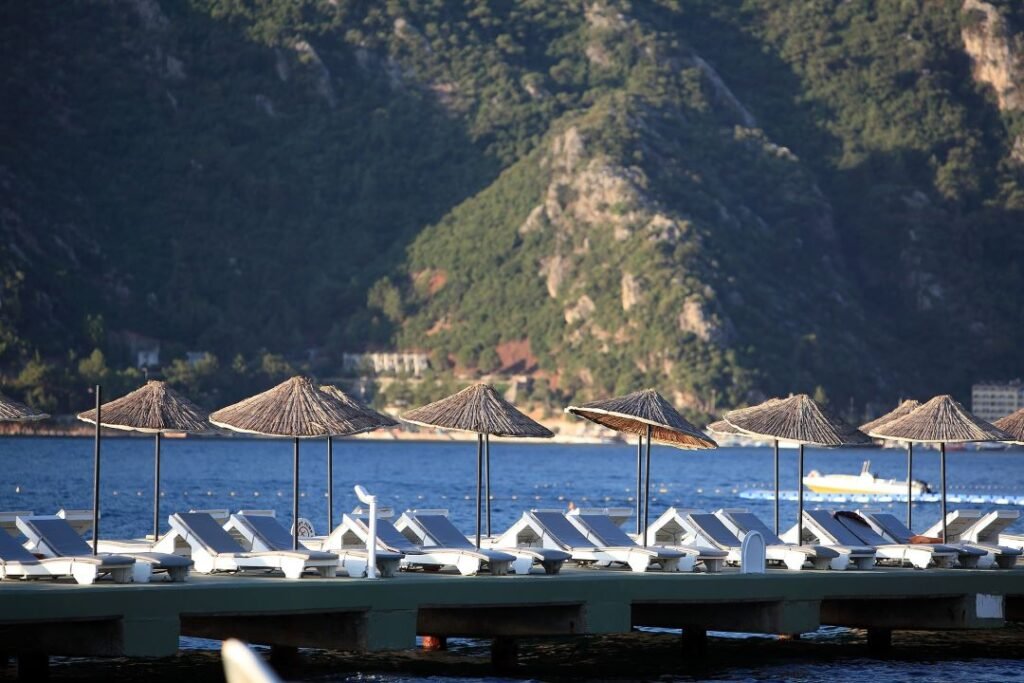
column 647, row 484
column 910, row 483
column 96, row 476
column 156, row 488
column 330, row 484
column 639, row 480
column 942, row 467
column 776, row 487
column 800, row 498
column 487, row 466
column 295, row 494
column 479, row 481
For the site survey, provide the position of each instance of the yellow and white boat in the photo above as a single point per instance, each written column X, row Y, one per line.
column 865, row 482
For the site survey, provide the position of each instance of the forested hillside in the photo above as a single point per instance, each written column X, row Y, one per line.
column 721, row 198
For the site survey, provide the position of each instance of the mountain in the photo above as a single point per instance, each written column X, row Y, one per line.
column 722, row 198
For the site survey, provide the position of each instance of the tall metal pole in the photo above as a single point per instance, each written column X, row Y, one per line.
column 96, row 476
column 942, row 468
column 800, row 497
column 295, row 494
column 639, row 482
column 479, row 481
column 156, row 488
column 910, row 484
column 487, row 480
column 647, row 484
column 776, row 487
column 330, row 484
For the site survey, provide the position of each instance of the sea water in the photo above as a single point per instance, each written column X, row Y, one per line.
column 46, row 474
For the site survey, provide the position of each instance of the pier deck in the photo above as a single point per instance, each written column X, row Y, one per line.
column 44, row 617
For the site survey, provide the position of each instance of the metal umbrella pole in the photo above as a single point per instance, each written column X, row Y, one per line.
column 330, row 484
column 942, row 468
column 776, row 487
column 295, row 494
column 910, row 483
column 800, row 497
column 647, row 484
column 156, row 488
column 639, row 482
column 96, row 476
column 487, row 480
column 479, row 481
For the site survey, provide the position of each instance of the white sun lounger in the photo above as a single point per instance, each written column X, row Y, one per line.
column 16, row 562
column 552, row 529
column 964, row 526
column 55, row 537
column 602, row 529
column 740, row 522
column 9, row 521
column 821, row 527
column 259, row 531
column 79, row 562
column 353, row 532
column 433, row 528
column 917, row 555
column 888, row 525
column 214, row 550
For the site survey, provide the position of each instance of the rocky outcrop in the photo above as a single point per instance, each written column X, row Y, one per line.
column 993, row 50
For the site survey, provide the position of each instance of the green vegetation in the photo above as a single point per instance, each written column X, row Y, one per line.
column 720, row 198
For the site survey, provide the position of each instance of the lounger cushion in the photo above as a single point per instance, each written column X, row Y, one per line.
column 212, row 535
column 561, row 530
column 12, row 551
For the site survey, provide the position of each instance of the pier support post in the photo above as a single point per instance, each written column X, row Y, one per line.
column 879, row 641
column 33, row 667
column 435, row 643
column 504, row 653
column 695, row 643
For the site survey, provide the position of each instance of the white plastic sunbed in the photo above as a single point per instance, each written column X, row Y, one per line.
column 975, row 529
column 16, row 562
column 353, row 533
column 214, row 550
column 888, row 525
column 740, row 522
column 83, row 566
column 552, row 529
column 432, row 528
column 603, row 530
column 9, row 521
column 821, row 527
column 917, row 555
column 260, row 531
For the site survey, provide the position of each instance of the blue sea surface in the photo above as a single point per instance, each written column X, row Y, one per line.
column 46, row 474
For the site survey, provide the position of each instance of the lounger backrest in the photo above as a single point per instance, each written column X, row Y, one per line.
column 274, row 536
column 561, row 530
column 57, row 534
column 891, row 525
column 860, row 528
column 748, row 521
column 607, row 531
column 12, row 551
column 836, row 531
column 392, row 537
column 988, row 528
column 712, row 527
column 441, row 529
column 204, row 528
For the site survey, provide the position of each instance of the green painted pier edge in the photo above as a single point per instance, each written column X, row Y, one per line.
column 39, row 618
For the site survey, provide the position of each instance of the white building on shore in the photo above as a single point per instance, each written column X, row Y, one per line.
column 993, row 400
column 414, row 364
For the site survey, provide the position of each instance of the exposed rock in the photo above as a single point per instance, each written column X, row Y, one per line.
column 534, row 222
column 308, row 55
column 723, row 95
column 631, row 291
column 582, row 310
column 708, row 326
column 986, row 37
column 554, row 270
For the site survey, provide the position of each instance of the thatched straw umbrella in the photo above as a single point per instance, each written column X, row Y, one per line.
column 154, row 408
column 797, row 418
column 941, row 420
column 378, row 421
column 1013, row 424
column 298, row 409
column 723, row 427
column 904, row 408
column 647, row 414
column 13, row 411
column 481, row 410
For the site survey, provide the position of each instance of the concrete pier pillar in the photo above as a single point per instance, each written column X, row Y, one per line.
column 695, row 643
column 504, row 653
column 879, row 641
column 435, row 643
column 33, row 667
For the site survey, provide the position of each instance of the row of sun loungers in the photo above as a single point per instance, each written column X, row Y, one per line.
column 679, row 540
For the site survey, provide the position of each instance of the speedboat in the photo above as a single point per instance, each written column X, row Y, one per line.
column 865, row 482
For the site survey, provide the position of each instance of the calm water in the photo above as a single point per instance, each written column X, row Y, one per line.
column 44, row 474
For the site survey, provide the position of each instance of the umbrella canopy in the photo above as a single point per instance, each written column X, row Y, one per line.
column 378, row 419
column 153, row 408
column 295, row 408
column 1013, row 424
column 941, row 420
column 13, row 411
column 479, row 409
column 904, row 408
column 645, row 413
column 801, row 419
